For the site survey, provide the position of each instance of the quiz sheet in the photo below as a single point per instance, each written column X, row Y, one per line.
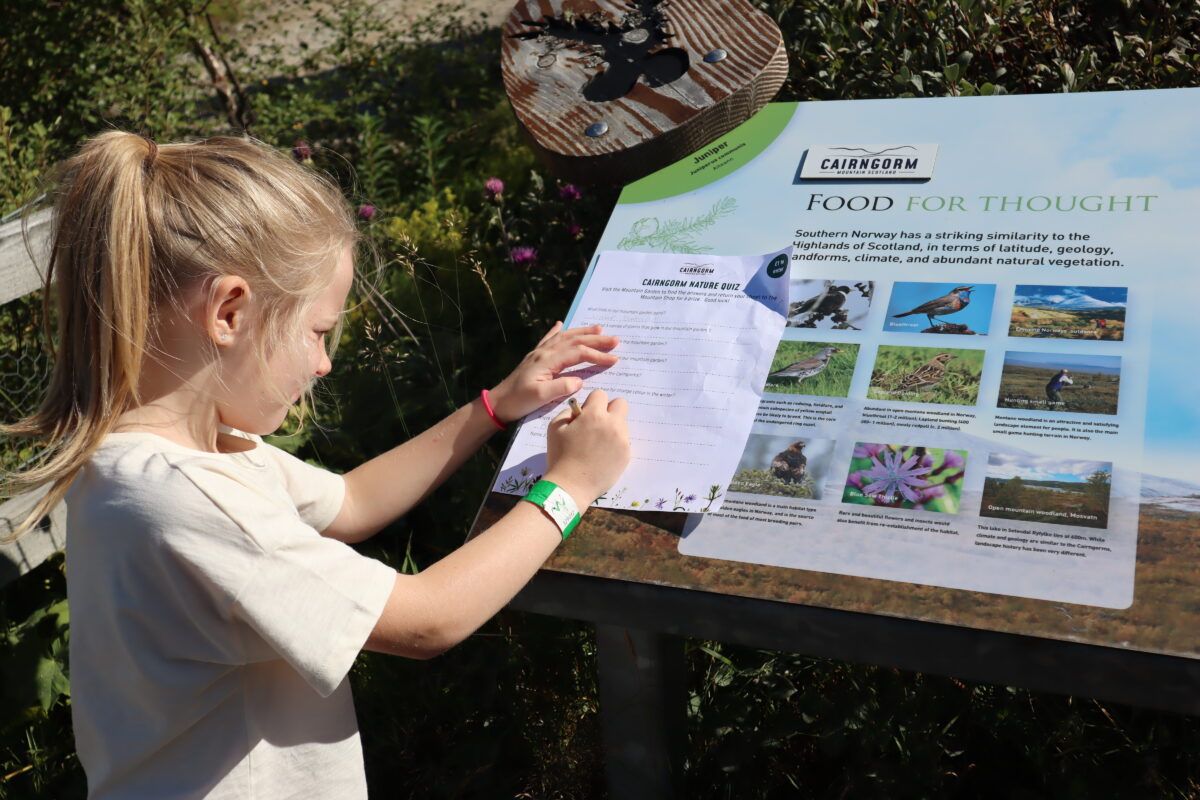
column 697, row 336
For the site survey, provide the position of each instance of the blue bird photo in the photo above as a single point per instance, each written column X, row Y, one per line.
column 964, row 308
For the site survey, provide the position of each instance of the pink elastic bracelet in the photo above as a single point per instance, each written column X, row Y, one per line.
column 487, row 406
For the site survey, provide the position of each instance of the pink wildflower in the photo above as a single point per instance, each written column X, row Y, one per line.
column 366, row 213
column 523, row 256
column 570, row 192
column 302, row 151
column 493, row 189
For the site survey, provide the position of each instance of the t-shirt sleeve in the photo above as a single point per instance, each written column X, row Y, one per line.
column 317, row 493
column 309, row 599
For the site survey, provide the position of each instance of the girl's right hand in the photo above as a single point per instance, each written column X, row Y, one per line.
column 587, row 454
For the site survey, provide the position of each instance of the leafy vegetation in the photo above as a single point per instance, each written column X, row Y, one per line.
column 412, row 120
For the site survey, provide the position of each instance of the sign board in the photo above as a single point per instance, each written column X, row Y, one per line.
column 1002, row 434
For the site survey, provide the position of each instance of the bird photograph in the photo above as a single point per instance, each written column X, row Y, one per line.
column 926, row 375
column 968, row 307
column 812, row 368
column 790, row 465
column 783, row 466
column 930, row 374
column 832, row 304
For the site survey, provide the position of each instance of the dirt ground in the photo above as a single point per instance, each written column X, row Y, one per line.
column 290, row 22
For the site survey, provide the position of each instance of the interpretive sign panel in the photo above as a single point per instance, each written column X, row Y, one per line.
column 982, row 408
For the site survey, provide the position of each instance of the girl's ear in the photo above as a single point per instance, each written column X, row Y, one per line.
column 227, row 314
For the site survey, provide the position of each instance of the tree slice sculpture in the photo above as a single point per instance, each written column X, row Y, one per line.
column 608, row 91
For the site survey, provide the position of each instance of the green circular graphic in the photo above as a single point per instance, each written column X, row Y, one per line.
column 735, row 149
column 778, row 266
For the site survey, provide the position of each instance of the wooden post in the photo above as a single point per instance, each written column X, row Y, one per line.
column 607, row 91
column 643, row 711
column 19, row 275
column 22, row 555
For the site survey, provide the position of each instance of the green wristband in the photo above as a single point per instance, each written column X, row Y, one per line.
column 558, row 505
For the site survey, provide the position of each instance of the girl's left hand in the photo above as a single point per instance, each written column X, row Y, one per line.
column 536, row 380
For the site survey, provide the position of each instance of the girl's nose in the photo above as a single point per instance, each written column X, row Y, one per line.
column 324, row 365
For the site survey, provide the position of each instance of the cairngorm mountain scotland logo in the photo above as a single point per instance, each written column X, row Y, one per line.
column 869, row 162
column 697, row 269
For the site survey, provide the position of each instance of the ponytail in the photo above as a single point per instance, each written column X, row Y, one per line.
column 134, row 223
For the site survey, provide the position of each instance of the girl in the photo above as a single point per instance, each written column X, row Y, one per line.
column 216, row 605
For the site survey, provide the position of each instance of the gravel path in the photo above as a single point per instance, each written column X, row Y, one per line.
column 291, row 22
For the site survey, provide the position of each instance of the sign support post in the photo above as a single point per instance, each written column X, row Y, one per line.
column 642, row 710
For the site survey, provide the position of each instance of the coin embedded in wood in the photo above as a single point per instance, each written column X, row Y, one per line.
column 640, row 67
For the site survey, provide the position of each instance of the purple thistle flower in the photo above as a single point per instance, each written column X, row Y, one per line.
column 662, row 501
column 932, row 493
column 891, row 476
column 493, row 188
column 691, row 498
column 366, row 213
column 570, row 192
column 574, row 230
column 523, row 256
column 953, row 460
column 302, row 151
column 866, row 449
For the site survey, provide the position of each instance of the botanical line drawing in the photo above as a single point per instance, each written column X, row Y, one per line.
column 675, row 235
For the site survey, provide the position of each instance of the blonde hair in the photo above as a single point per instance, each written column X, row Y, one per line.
column 135, row 225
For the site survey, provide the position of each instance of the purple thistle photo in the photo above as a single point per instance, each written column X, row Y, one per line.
column 891, row 476
column 867, row 450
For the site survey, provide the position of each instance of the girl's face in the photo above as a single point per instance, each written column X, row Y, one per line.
column 261, row 398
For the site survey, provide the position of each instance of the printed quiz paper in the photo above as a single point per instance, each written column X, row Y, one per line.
column 698, row 334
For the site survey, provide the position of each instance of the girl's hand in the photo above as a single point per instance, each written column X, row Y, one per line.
column 587, row 454
column 536, row 380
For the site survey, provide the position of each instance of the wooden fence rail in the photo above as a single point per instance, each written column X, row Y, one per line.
column 19, row 275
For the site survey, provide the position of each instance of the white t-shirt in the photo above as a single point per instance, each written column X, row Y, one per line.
column 212, row 626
